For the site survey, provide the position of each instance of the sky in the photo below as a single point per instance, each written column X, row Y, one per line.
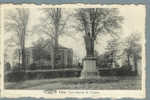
column 134, row 21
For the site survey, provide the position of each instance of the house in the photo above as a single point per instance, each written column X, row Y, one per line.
column 42, row 56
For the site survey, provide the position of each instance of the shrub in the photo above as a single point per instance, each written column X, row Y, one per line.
column 45, row 67
column 15, row 76
column 123, row 71
column 108, row 72
column 63, row 73
column 7, row 67
column 52, row 74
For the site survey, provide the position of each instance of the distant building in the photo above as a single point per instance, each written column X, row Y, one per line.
column 29, row 56
column 17, row 57
column 76, row 60
column 63, row 57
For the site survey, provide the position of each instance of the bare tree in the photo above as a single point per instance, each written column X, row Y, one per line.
column 52, row 26
column 133, row 49
column 16, row 22
column 97, row 21
column 9, row 44
column 39, row 51
column 113, row 49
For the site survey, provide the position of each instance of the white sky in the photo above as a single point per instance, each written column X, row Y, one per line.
column 134, row 21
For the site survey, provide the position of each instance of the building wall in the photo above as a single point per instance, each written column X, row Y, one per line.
column 64, row 56
column 59, row 57
column 29, row 57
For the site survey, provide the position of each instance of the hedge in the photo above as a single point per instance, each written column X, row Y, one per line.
column 62, row 73
column 29, row 75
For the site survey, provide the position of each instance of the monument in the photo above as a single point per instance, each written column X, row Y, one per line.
column 89, row 62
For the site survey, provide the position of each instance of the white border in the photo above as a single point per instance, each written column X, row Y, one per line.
column 100, row 93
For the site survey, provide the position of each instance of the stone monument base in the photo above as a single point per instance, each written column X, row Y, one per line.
column 89, row 70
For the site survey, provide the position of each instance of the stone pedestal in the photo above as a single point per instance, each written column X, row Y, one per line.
column 89, row 68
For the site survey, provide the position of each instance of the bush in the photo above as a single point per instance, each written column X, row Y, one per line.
column 63, row 73
column 7, row 67
column 108, row 72
column 52, row 74
column 40, row 74
column 123, row 71
column 15, row 76
column 46, row 67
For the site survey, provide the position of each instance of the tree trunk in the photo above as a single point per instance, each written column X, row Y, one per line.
column 89, row 45
column 23, row 51
column 52, row 58
column 135, row 64
column 128, row 59
column 56, row 42
column 23, row 59
column 112, row 59
column 92, row 47
column 19, row 59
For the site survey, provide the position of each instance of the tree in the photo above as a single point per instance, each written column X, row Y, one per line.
column 133, row 49
column 16, row 22
column 112, row 50
column 97, row 21
column 52, row 26
column 39, row 51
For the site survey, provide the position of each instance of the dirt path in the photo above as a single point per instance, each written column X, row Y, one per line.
column 106, row 83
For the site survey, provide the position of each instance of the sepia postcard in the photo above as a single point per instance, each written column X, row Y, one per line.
column 73, row 50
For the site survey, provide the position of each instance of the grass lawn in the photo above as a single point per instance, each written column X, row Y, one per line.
column 103, row 83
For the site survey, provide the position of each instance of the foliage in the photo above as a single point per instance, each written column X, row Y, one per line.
column 43, row 74
column 113, row 51
column 133, row 49
column 97, row 21
column 133, row 45
column 103, row 61
column 48, row 74
column 15, row 74
column 7, row 67
column 39, row 52
column 52, row 25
